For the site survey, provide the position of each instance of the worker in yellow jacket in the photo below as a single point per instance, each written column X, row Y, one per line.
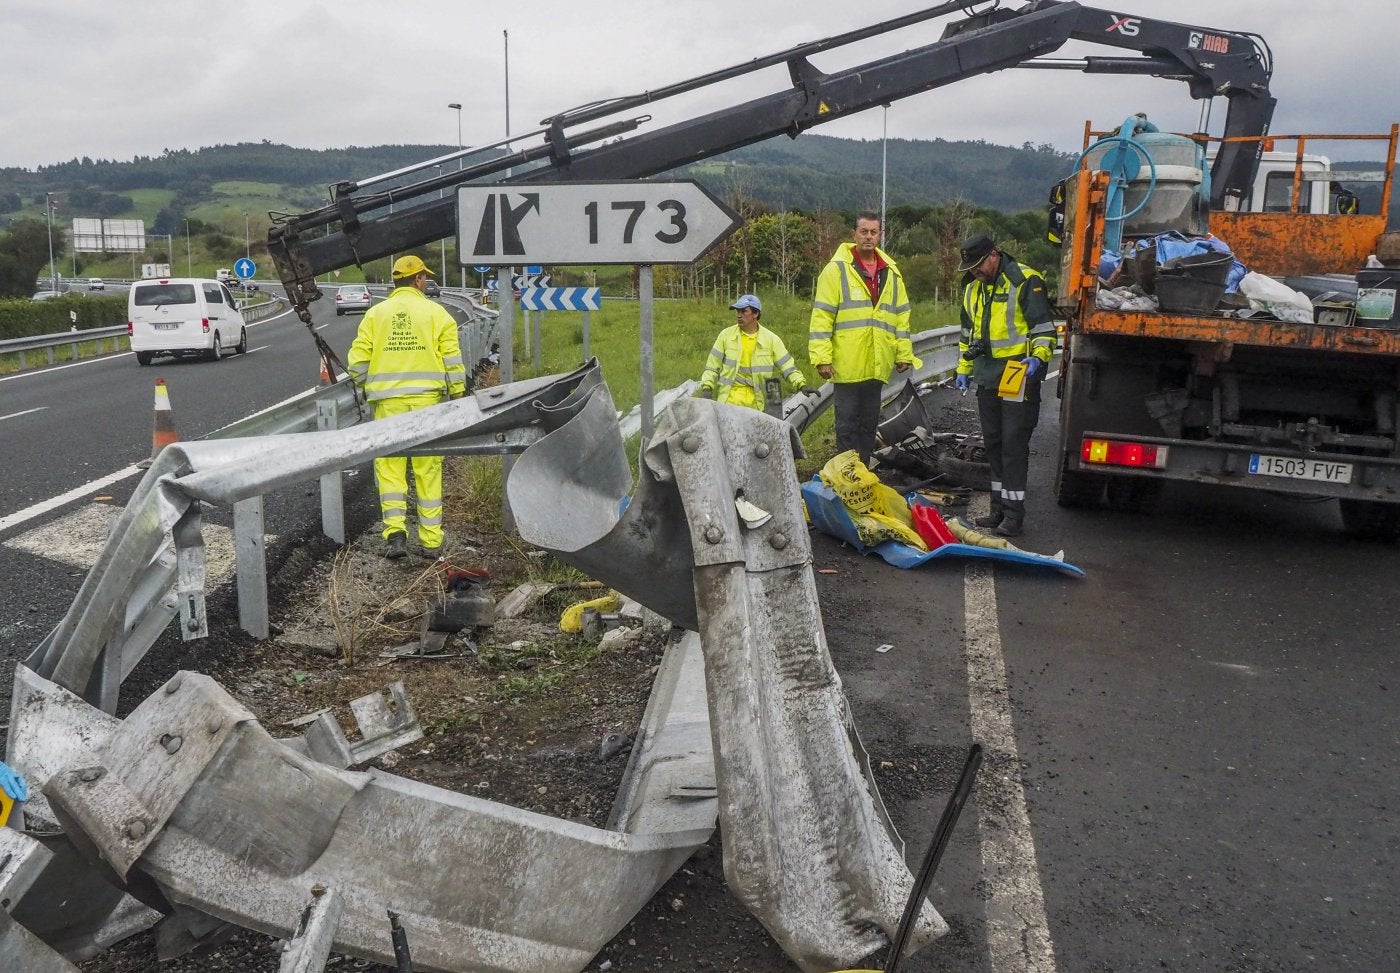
column 745, row 358
column 1007, row 340
column 405, row 357
column 858, row 336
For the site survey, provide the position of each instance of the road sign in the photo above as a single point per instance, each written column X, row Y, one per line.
column 534, row 269
column 561, row 299
column 592, row 223
column 244, row 268
column 482, row 268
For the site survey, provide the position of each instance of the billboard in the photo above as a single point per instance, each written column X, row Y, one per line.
column 109, row 236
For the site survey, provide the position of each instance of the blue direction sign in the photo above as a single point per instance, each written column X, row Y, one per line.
column 482, row 269
column 244, row 268
column 534, row 269
column 561, row 299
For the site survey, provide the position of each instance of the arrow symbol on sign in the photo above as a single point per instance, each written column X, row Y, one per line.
column 511, row 218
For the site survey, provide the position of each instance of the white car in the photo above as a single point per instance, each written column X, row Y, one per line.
column 351, row 297
column 96, row 284
column 184, row 316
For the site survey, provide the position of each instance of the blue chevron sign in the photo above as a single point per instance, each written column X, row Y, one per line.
column 561, row 299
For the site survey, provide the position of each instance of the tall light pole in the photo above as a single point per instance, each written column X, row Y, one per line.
column 442, row 244
column 884, row 138
column 458, row 109
column 189, row 257
column 48, row 210
column 247, row 246
column 506, row 35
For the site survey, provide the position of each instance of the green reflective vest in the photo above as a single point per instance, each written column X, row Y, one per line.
column 407, row 345
column 859, row 338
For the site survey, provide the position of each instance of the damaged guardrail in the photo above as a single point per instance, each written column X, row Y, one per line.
column 191, row 797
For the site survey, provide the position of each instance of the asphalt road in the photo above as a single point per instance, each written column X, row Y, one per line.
column 1191, row 759
column 1190, row 751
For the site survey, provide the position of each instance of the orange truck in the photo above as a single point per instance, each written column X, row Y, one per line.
column 1229, row 396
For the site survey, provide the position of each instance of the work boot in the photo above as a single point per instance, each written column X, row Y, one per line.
column 1012, row 520
column 396, row 545
column 993, row 517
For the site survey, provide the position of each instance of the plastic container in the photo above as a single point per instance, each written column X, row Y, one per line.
column 1194, row 284
column 1375, row 298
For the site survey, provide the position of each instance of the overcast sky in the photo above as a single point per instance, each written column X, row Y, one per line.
column 116, row 80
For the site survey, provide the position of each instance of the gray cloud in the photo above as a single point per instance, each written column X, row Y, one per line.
column 113, row 81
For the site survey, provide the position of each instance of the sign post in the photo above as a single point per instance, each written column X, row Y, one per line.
column 642, row 223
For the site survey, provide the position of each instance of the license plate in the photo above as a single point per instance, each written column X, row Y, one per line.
column 1300, row 468
column 167, row 327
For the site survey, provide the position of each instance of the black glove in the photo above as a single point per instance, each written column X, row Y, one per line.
column 811, row 390
column 707, row 393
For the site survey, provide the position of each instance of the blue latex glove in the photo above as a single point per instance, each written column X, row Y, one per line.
column 12, row 783
column 1033, row 366
column 963, row 382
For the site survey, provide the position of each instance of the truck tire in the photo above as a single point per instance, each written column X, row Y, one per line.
column 1074, row 489
column 144, row 357
column 1371, row 520
column 216, row 350
column 1133, row 494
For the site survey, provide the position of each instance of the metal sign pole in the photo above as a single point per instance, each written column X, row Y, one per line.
column 585, row 334
column 644, row 298
column 505, row 294
column 538, row 321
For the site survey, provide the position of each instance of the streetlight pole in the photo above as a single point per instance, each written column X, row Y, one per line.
column 442, row 244
column 458, row 109
column 189, row 257
column 48, row 210
column 247, row 247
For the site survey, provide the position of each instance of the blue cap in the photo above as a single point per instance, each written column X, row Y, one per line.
column 746, row 300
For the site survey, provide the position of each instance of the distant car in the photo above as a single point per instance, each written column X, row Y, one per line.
column 432, row 289
column 96, row 284
column 45, row 295
column 351, row 297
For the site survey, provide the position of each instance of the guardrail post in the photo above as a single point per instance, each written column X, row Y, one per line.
column 332, row 485
column 251, row 557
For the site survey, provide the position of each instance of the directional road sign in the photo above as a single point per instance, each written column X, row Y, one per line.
column 591, row 223
column 482, row 268
column 244, row 268
column 561, row 299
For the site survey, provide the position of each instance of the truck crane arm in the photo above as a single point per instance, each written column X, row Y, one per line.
column 1211, row 62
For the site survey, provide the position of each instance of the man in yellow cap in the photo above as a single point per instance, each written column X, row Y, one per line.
column 405, row 357
column 746, row 358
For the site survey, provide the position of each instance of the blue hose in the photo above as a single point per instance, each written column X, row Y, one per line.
column 1122, row 167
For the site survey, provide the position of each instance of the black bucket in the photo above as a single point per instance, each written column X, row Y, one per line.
column 1194, row 284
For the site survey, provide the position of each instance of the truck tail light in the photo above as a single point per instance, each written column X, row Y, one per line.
column 130, row 329
column 204, row 323
column 1112, row 452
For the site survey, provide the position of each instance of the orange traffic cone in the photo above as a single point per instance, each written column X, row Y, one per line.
column 325, row 371
column 164, row 432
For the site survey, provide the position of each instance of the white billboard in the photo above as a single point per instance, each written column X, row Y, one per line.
column 109, row 236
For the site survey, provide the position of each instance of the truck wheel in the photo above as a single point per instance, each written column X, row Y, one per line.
column 1076, row 489
column 1133, row 494
column 1371, row 520
column 144, row 357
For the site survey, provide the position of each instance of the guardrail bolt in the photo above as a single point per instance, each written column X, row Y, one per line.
column 171, row 742
column 215, row 727
column 778, row 540
column 90, row 774
column 173, row 685
column 714, row 534
column 135, row 830
column 762, row 450
column 318, row 890
column 690, row 442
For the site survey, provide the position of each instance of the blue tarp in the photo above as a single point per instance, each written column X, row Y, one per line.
column 829, row 515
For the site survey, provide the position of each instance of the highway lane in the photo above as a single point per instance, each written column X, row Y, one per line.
column 65, row 425
column 1191, row 750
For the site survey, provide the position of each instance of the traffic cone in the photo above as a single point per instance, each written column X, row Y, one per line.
column 325, row 371
column 164, row 432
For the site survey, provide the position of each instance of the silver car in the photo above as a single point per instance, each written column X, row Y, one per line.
column 351, row 297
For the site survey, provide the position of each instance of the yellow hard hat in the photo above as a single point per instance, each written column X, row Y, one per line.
column 410, row 266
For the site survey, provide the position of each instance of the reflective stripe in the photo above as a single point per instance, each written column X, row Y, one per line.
column 427, row 521
column 400, row 497
column 1013, row 494
column 452, row 360
column 404, row 376
column 818, row 335
column 374, row 395
column 873, row 323
column 823, row 306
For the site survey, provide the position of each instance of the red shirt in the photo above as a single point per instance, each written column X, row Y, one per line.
column 870, row 273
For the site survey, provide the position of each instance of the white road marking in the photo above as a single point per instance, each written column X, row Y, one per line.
column 1018, row 934
column 44, row 506
column 78, row 538
column 16, row 415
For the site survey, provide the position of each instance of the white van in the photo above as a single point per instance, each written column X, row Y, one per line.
column 183, row 316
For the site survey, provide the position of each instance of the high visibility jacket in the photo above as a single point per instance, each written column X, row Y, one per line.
column 1012, row 313
column 742, row 384
column 407, row 345
column 859, row 338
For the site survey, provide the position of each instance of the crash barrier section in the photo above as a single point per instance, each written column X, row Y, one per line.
column 117, row 332
column 183, row 790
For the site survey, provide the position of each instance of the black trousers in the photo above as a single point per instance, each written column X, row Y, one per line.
column 857, row 407
column 1006, row 431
